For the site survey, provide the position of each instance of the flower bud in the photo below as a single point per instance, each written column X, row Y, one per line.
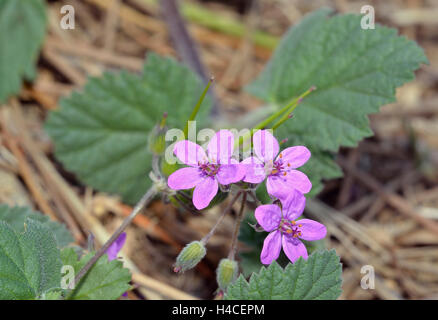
column 226, row 273
column 157, row 141
column 190, row 256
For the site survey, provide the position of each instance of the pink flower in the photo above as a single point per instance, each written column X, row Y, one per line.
column 116, row 246
column 285, row 231
column 281, row 173
column 205, row 173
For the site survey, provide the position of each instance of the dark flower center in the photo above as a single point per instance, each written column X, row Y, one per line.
column 290, row 228
column 277, row 168
column 209, row 169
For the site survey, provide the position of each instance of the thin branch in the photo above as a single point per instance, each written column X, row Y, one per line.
column 218, row 222
column 239, row 218
column 254, row 197
column 144, row 201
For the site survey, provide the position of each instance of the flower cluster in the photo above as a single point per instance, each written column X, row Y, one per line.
column 206, row 172
column 216, row 166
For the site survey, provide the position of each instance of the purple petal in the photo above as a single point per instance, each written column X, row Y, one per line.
column 294, row 248
column 221, row 146
column 277, row 186
column 298, row 180
column 312, row 230
column 265, row 145
column 230, row 173
column 293, row 205
column 185, row 178
column 254, row 170
column 295, row 157
column 268, row 216
column 271, row 247
column 189, row 152
column 115, row 248
column 204, row 192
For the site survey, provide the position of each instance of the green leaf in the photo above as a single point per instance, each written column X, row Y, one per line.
column 106, row 280
column 355, row 71
column 317, row 278
column 30, row 262
column 55, row 294
column 22, row 30
column 101, row 133
column 16, row 216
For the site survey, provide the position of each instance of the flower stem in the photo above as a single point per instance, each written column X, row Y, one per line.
column 288, row 113
column 156, row 166
column 218, row 222
column 239, row 218
column 197, row 107
column 144, row 201
column 286, row 110
column 282, row 120
column 254, row 197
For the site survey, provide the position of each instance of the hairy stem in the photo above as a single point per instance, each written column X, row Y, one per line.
column 144, row 201
column 254, row 197
column 218, row 222
column 239, row 218
column 156, row 166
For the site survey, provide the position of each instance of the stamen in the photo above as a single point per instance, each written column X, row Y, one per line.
column 290, row 228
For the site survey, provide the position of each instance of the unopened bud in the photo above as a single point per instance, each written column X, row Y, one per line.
column 190, row 256
column 226, row 273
